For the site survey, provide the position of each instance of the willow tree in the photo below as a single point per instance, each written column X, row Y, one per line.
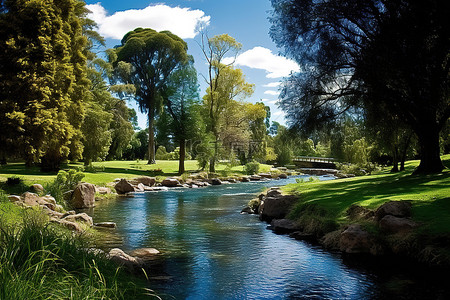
column 145, row 59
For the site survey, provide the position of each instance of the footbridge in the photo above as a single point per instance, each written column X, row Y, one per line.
column 314, row 162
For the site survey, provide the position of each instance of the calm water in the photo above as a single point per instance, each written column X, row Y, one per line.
column 210, row 251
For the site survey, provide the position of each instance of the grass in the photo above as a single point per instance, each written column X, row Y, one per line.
column 430, row 196
column 39, row 260
column 109, row 170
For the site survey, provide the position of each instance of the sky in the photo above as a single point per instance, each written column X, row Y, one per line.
column 245, row 20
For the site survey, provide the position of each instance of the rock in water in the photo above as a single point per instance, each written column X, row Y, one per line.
column 83, row 196
column 170, row 182
column 123, row 187
column 146, row 180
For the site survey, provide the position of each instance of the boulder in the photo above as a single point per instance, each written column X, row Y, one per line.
column 216, row 181
column 265, row 175
column 392, row 224
column 44, row 203
column 146, row 180
column 123, row 187
column 247, row 210
column 244, row 179
column 102, row 190
column 400, row 209
column 71, row 225
column 30, row 199
column 82, row 217
column 354, row 239
column 83, row 196
column 139, row 188
column 356, row 212
column 106, row 224
column 145, row 254
column 255, row 178
column 49, row 199
column 284, row 226
column 14, row 198
column 170, row 182
column 276, row 207
column 273, row 192
column 118, row 256
column 301, row 236
column 37, row 188
column 282, row 176
column 193, row 186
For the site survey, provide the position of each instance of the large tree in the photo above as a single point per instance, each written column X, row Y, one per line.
column 146, row 58
column 215, row 50
column 364, row 53
column 43, row 78
column 180, row 99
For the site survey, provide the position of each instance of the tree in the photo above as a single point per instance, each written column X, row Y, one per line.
column 355, row 52
column 222, row 108
column 180, row 98
column 215, row 49
column 43, row 78
column 145, row 59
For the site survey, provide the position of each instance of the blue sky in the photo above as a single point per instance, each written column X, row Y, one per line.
column 245, row 20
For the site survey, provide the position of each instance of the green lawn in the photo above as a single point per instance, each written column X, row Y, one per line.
column 109, row 170
column 430, row 194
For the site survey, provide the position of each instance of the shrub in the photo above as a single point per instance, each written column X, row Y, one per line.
column 64, row 182
column 251, row 167
column 14, row 180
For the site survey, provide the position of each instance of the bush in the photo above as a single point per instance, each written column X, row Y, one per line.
column 357, row 169
column 251, row 167
column 14, row 180
column 64, row 182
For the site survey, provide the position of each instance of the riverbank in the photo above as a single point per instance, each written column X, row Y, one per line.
column 347, row 214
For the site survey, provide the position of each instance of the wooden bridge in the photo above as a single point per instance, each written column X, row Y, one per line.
column 314, row 162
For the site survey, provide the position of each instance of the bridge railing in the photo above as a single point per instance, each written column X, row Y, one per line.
column 314, row 159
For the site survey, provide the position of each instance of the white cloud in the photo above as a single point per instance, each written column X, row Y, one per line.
column 279, row 113
column 273, row 93
column 264, row 100
column 263, row 58
column 273, row 84
column 180, row 21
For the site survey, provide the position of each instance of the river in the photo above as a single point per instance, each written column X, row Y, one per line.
column 211, row 251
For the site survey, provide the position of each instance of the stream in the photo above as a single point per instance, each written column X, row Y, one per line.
column 210, row 251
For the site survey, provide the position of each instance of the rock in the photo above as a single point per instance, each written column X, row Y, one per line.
column 106, row 224
column 123, row 187
column 216, row 181
column 170, row 182
column 284, row 226
column 282, row 176
column 37, row 188
column 52, row 213
column 265, row 175
column 400, row 209
column 156, row 189
column 247, row 210
column 82, row 217
column 67, row 195
column 276, row 207
column 139, row 188
column 118, row 256
column 301, row 236
column 83, row 196
column 42, row 202
column 193, row 186
column 244, row 179
column 30, row 199
column 356, row 212
column 71, row 225
column 102, row 190
column 392, row 224
column 273, row 192
column 145, row 253
column 255, row 178
column 14, row 198
column 146, row 180
column 49, row 199
column 355, row 239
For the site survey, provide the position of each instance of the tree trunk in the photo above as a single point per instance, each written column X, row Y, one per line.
column 394, row 159
column 151, row 137
column 405, row 151
column 182, row 156
column 212, row 161
column 430, row 159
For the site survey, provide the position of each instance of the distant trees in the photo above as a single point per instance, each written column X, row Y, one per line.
column 362, row 54
column 146, row 58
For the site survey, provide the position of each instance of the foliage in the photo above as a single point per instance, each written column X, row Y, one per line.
column 162, row 154
column 145, row 59
column 64, row 182
column 251, row 168
column 363, row 54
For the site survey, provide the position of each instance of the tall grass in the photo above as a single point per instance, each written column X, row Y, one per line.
column 37, row 261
